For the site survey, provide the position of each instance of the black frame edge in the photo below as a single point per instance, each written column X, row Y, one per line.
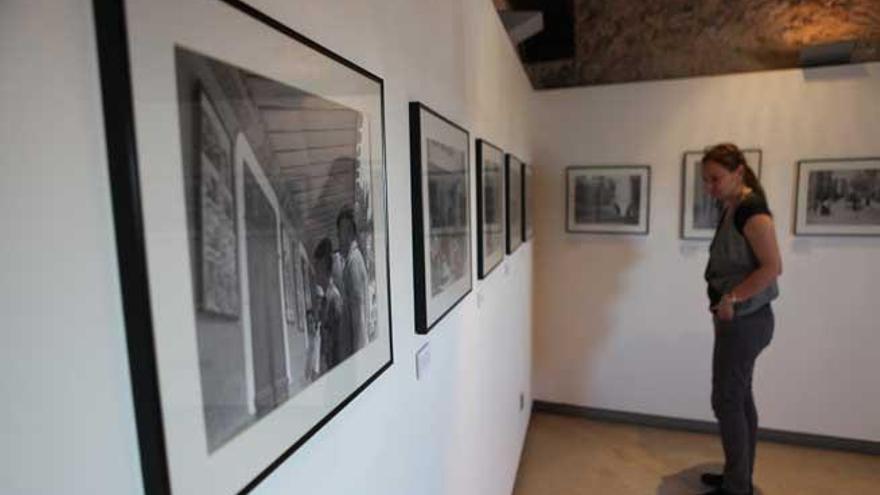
column 522, row 202
column 797, row 199
column 418, row 215
column 481, row 269
column 262, row 17
column 314, row 430
column 525, row 234
column 507, row 241
column 116, row 92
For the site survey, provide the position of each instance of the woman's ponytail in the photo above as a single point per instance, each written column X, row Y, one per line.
column 751, row 180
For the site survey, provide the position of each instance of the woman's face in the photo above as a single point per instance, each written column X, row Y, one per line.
column 719, row 182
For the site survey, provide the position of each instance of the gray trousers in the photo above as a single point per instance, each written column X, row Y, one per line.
column 737, row 345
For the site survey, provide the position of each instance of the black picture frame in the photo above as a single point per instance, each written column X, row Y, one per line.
column 491, row 187
column 691, row 188
column 833, row 194
column 514, row 189
column 614, row 226
column 528, row 202
column 134, row 193
column 441, row 213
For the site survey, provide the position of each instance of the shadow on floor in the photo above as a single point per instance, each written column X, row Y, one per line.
column 687, row 482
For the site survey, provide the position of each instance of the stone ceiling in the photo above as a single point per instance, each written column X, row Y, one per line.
column 617, row 41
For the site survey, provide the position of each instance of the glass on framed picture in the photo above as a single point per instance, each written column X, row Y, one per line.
column 491, row 204
column 608, row 199
column 249, row 204
column 838, row 197
column 440, row 172
column 514, row 187
column 528, row 200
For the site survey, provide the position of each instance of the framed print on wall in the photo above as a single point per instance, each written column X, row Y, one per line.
column 248, row 185
column 491, row 201
column 514, row 187
column 608, row 199
column 441, row 210
column 700, row 213
column 528, row 200
column 838, row 196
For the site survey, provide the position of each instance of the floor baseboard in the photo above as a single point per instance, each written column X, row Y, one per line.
column 693, row 425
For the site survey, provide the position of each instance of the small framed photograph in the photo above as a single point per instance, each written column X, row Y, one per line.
column 490, row 207
column 441, row 214
column 611, row 199
column 218, row 281
column 514, row 183
column 247, row 167
column 700, row 213
column 839, row 197
column 528, row 198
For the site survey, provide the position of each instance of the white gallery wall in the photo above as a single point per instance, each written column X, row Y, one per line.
column 622, row 321
column 68, row 418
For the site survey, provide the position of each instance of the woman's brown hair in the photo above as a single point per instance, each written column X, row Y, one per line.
column 730, row 157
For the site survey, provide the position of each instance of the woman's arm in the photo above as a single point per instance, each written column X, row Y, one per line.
column 761, row 234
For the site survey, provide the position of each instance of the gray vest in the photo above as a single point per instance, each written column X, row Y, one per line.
column 731, row 260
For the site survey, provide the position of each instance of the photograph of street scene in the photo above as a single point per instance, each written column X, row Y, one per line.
column 607, row 199
column 844, row 197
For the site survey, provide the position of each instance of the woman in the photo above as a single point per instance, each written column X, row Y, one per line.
column 744, row 263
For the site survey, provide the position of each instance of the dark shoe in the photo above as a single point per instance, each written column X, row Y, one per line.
column 722, row 491
column 712, row 479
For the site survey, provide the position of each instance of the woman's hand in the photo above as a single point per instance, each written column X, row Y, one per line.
column 724, row 310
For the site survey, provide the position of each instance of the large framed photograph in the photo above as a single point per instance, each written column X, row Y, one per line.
column 528, row 200
column 441, row 212
column 608, row 199
column 700, row 213
column 514, row 183
column 248, row 181
column 491, row 201
column 839, row 197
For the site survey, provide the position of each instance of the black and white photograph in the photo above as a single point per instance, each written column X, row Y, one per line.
column 608, row 199
column 838, row 197
column 490, row 207
column 528, row 200
column 700, row 213
column 514, row 186
column 441, row 214
column 305, row 235
column 447, row 202
column 263, row 190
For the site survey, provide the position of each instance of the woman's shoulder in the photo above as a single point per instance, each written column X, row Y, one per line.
column 754, row 201
column 751, row 205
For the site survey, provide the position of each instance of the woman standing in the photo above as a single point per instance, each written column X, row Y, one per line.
column 744, row 263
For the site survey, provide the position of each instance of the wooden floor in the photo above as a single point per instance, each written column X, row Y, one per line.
column 572, row 456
